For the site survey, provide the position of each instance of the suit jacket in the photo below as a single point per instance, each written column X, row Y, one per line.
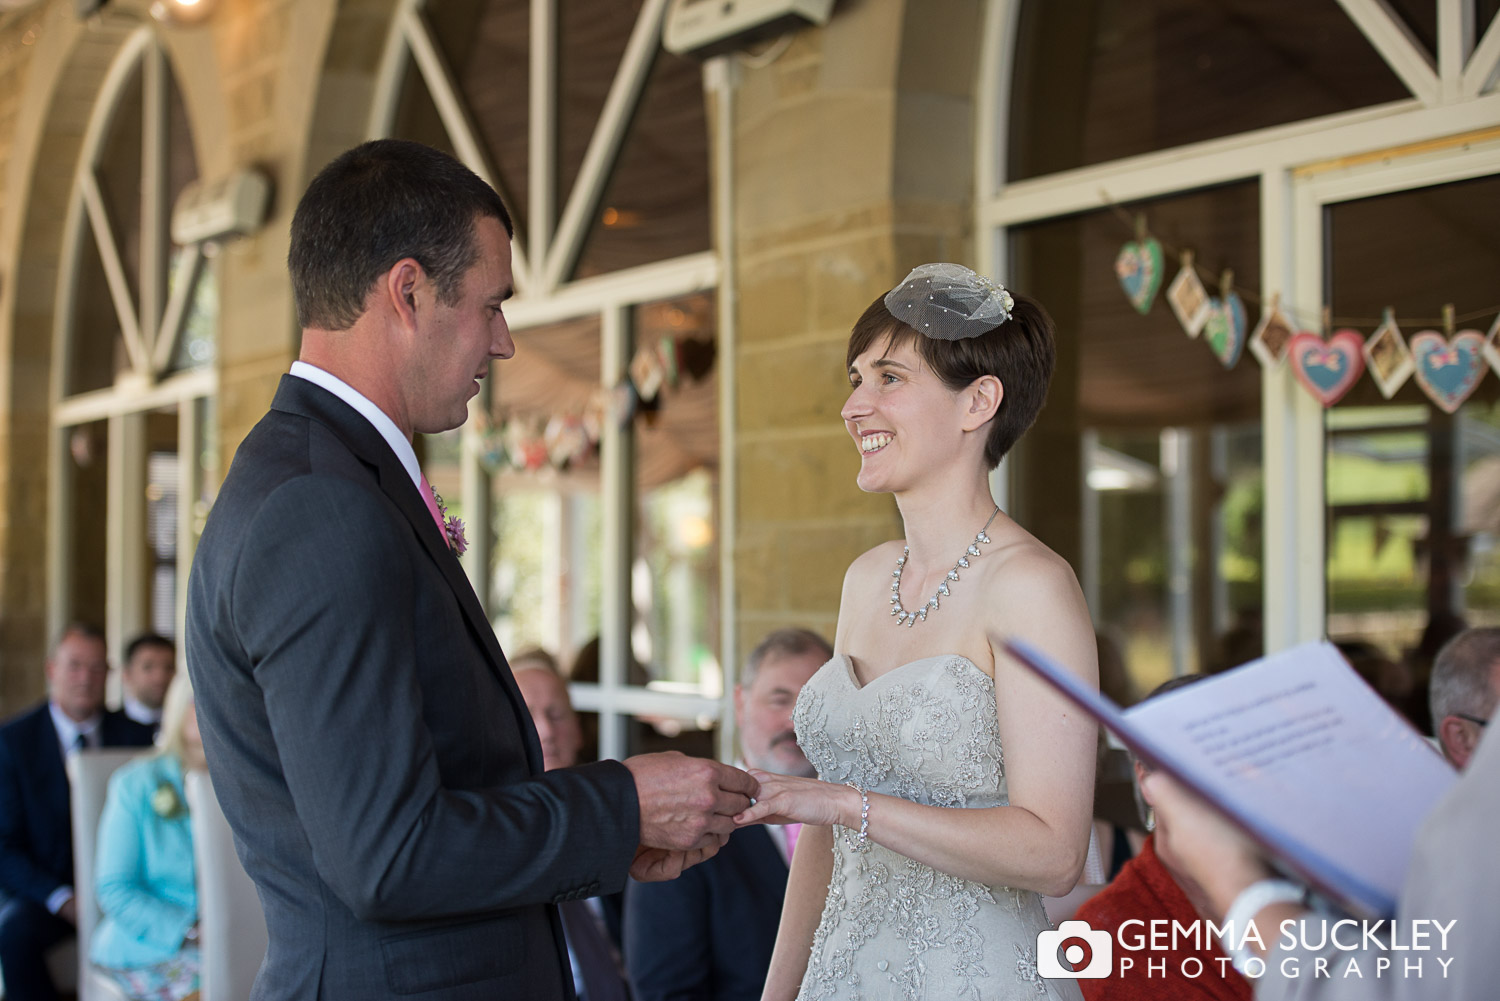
column 1453, row 877
column 36, row 820
column 145, row 874
column 708, row 935
column 367, row 741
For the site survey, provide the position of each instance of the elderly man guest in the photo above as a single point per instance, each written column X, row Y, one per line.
column 366, row 736
column 36, row 823
column 1464, row 690
column 551, row 708
column 709, row 935
column 150, row 666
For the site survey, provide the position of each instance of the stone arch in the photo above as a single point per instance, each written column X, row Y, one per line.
column 61, row 86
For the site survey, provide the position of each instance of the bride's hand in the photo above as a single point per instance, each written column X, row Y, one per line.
column 786, row 799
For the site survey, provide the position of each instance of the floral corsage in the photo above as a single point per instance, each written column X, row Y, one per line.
column 453, row 526
column 166, row 803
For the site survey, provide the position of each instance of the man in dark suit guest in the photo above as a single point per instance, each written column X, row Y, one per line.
column 150, row 665
column 36, row 825
column 366, row 737
column 709, row 935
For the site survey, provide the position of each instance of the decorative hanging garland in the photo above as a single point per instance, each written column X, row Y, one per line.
column 1447, row 365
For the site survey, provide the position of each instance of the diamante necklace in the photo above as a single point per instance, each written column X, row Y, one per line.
column 905, row 618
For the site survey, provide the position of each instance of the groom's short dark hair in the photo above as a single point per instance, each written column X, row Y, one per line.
column 374, row 205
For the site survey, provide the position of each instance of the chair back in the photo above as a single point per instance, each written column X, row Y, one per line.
column 231, row 926
column 88, row 782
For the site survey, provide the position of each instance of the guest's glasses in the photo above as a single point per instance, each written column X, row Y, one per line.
column 1472, row 719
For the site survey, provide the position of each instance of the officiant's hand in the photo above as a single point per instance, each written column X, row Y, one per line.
column 688, row 804
column 787, row 799
column 1201, row 841
column 655, row 865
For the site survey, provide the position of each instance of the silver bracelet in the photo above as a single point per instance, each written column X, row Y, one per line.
column 862, row 842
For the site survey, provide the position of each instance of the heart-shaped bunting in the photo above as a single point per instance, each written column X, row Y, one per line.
column 1139, row 268
column 1224, row 330
column 1328, row 369
column 1448, row 370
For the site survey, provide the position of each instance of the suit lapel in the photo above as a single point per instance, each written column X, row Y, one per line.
column 298, row 396
column 54, row 771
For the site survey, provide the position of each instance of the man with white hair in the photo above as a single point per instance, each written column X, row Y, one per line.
column 1463, row 692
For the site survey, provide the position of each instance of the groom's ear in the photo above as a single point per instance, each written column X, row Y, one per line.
column 400, row 287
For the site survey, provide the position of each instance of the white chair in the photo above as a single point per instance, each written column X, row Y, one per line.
column 231, row 926
column 88, row 781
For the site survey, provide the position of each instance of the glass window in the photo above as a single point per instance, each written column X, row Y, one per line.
column 98, row 347
column 675, row 579
column 542, row 448
column 159, row 534
column 87, row 471
column 197, row 342
column 1413, row 493
column 1099, row 80
column 1144, row 468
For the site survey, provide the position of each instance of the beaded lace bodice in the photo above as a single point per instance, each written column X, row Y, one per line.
column 893, row 927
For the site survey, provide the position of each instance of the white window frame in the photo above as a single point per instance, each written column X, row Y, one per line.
column 1454, row 103
column 151, row 329
column 543, row 257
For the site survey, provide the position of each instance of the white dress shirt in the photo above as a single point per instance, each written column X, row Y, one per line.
column 69, row 730
column 378, row 418
column 140, row 712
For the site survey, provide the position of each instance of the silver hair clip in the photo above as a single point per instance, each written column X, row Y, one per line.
column 950, row 302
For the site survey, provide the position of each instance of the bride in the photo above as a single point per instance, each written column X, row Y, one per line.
column 918, row 873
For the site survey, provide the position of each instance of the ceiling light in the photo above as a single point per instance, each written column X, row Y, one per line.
column 181, row 12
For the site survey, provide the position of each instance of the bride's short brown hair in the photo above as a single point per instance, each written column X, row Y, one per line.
column 1020, row 353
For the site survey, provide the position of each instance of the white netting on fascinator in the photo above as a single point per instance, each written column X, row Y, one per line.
column 950, row 302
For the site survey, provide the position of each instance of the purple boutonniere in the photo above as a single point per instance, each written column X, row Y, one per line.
column 453, row 527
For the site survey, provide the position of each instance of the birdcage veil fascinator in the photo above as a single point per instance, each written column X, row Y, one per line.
column 949, row 302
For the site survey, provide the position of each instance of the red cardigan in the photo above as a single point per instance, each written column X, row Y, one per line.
column 1146, row 891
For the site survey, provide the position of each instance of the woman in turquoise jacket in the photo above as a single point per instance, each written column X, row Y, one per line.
column 144, row 876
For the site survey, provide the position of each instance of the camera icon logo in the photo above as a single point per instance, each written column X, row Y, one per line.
column 1090, row 953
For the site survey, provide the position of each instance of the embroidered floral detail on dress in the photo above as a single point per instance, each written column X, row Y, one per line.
column 891, row 926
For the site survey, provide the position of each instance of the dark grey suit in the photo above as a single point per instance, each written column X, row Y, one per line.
column 368, row 742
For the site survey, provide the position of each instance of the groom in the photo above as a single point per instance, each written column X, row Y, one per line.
column 366, row 738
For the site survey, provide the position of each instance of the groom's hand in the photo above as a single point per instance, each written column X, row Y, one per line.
column 654, row 865
column 688, row 804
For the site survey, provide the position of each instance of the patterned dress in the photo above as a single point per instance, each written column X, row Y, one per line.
column 893, row 928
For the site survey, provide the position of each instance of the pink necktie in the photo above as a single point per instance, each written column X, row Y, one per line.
column 432, row 507
column 792, row 830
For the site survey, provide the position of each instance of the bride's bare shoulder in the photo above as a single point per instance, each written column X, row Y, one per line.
column 879, row 560
column 1024, row 562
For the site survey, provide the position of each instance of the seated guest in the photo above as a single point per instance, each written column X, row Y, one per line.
column 591, row 927
column 708, row 935
column 1153, row 887
column 36, row 821
column 546, row 696
column 147, row 939
column 150, row 664
column 1464, row 691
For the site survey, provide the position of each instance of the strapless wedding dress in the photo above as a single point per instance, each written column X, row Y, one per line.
column 893, row 927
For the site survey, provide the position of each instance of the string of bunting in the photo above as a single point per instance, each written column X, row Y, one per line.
column 1448, row 364
column 532, row 443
